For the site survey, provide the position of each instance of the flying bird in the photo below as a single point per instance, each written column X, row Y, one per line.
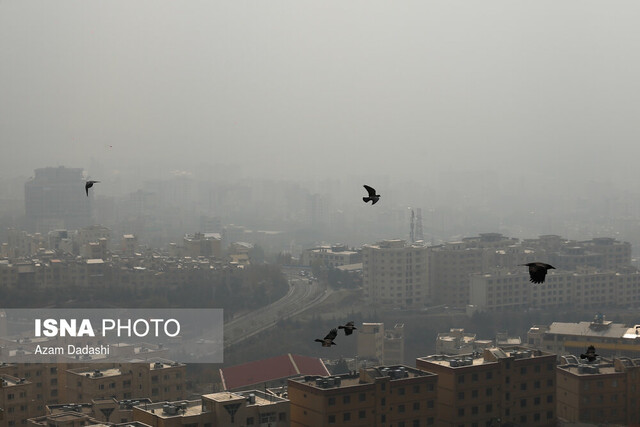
column 328, row 340
column 537, row 271
column 88, row 185
column 590, row 355
column 348, row 328
column 373, row 197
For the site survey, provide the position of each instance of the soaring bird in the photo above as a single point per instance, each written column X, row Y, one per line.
column 537, row 271
column 88, row 185
column 590, row 355
column 328, row 340
column 348, row 328
column 373, row 197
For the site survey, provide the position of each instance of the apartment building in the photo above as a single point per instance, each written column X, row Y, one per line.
column 16, row 400
column 386, row 395
column 395, row 274
column 100, row 411
column 602, row 392
column 457, row 341
column 450, row 264
column 611, row 339
column 586, row 288
column 159, row 380
column 511, row 384
column 224, row 409
column 331, row 256
column 45, row 389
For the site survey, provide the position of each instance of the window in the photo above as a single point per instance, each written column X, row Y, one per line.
column 401, row 391
column 332, row 401
column 416, row 423
column 416, row 389
column 474, row 410
column 474, row 393
column 250, row 421
column 523, row 370
column 346, row 416
column 489, row 391
column 550, row 382
column 362, row 397
column 332, row 419
column 474, row 377
column 523, row 386
column 416, row 406
column 488, row 408
column 523, row 419
column 429, row 403
column 536, row 416
column 523, row 403
column 489, row 375
column 430, row 422
column 461, row 379
column 536, row 400
column 383, row 401
column 383, row 418
column 346, row 399
column 461, row 395
column 282, row 416
column 461, row 412
column 383, row 386
column 400, row 408
column 549, row 415
column 536, row 368
column 550, row 398
column 536, row 384
column 362, row 414
column 549, row 366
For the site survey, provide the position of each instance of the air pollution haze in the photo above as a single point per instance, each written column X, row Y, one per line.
column 284, row 89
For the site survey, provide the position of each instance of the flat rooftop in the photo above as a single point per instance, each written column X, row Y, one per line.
column 261, row 398
column 96, row 373
column 489, row 355
column 183, row 408
column 365, row 376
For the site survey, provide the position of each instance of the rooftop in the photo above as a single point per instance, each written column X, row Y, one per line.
column 365, row 376
column 184, row 408
column 489, row 355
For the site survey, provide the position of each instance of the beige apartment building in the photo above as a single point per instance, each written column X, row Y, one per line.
column 159, row 381
column 610, row 339
column 510, row 289
column 450, row 264
column 100, row 411
column 16, row 400
column 600, row 392
column 395, row 274
column 513, row 384
column 224, row 409
column 382, row 396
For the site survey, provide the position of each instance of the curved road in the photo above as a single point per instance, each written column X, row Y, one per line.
column 301, row 297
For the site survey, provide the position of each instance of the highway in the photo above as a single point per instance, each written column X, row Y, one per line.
column 301, row 296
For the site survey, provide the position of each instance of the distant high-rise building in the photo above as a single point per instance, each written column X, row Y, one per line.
column 55, row 199
column 395, row 274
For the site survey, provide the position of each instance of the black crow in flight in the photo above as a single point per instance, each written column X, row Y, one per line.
column 373, row 197
column 348, row 328
column 537, row 271
column 328, row 340
column 590, row 355
column 88, row 185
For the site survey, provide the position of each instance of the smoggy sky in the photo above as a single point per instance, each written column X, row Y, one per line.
column 312, row 89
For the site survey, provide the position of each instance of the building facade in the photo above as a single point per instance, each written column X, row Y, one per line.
column 395, row 274
column 514, row 385
column 382, row 396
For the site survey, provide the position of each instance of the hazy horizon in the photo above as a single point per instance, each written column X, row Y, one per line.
column 313, row 90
